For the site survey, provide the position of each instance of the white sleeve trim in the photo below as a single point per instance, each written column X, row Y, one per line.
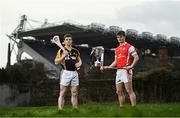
column 132, row 50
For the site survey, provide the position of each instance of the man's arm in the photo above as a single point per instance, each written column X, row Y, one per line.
column 79, row 63
column 133, row 53
column 135, row 60
column 60, row 57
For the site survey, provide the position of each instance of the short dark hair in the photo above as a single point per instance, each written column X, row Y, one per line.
column 67, row 35
column 121, row 33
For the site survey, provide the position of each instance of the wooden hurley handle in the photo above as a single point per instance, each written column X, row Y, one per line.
column 57, row 41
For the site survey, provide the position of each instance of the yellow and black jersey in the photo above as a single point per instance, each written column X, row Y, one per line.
column 70, row 60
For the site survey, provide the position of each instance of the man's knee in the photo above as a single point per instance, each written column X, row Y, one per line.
column 130, row 91
column 119, row 92
column 74, row 93
column 62, row 92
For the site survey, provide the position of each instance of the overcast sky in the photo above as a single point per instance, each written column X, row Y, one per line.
column 156, row 16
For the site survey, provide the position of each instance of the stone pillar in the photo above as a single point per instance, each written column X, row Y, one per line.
column 163, row 56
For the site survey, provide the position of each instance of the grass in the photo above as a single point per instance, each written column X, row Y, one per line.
column 95, row 110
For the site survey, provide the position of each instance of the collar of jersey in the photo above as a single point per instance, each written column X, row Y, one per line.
column 123, row 44
column 68, row 49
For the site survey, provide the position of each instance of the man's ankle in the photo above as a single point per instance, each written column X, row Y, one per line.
column 75, row 107
column 60, row 109
column 121, row 106
column 133, row 106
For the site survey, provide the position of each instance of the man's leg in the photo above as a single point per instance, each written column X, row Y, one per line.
column 131, row 93
column 74, row 96
column 61, row 99
column 120, row 94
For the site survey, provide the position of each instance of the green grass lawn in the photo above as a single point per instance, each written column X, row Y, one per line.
column 95, row 110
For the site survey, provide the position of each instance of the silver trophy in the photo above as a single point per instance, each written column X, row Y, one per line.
column 98, row 52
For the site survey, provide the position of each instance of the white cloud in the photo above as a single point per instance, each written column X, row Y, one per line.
column 157, row 16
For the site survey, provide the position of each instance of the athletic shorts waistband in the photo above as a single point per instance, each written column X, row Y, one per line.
column 70, row 70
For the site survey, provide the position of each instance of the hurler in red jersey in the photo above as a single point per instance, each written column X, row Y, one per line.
column 125, row 59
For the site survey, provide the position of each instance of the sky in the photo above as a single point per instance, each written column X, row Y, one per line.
column 155, row 16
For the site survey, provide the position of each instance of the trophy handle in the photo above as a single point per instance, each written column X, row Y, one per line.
column 102, row 60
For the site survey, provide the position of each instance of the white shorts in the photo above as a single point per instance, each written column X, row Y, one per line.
column 123, row 75
column 69, row 78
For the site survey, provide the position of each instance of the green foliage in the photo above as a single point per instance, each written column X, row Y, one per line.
column 23, row 72
column 159, row 74
column 160, row 85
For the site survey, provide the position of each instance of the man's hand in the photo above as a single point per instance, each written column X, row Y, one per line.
column 106, row 67
column 77, row 65
column 65, row 53
column 128, row 67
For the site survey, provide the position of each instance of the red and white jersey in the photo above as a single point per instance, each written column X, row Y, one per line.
column 123, row 55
